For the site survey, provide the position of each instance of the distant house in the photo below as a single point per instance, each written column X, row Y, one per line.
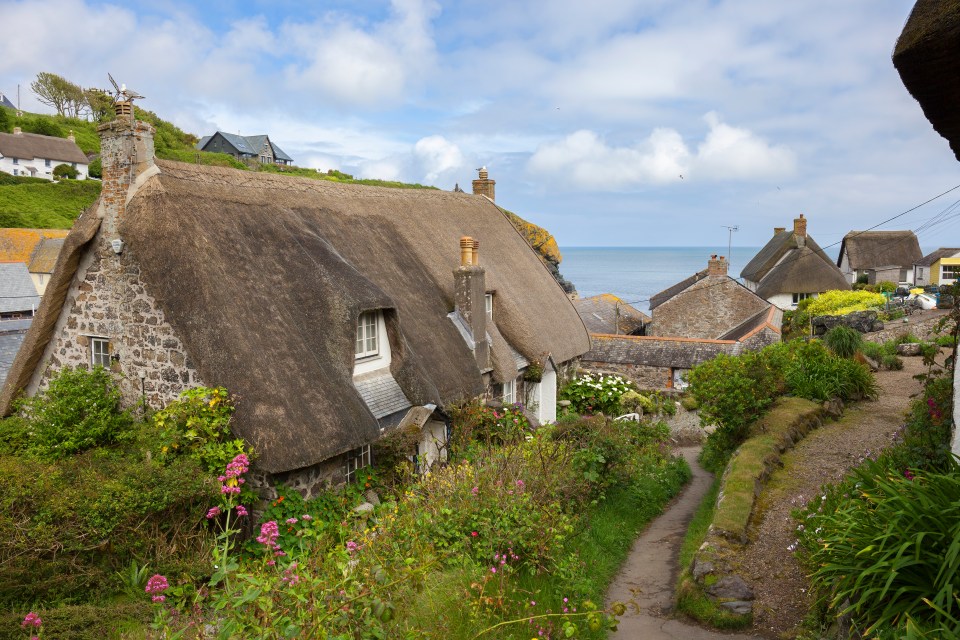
column 606, row 313
column 336, row 312
column 34, row 155
column 18, row 296
column 243, row 148
column 702, row 316
column 36, row 248
column 792, row 267
column 42, row 262
column 879, row 256
column 11, row 337
column 940, row 267
column 5, row 102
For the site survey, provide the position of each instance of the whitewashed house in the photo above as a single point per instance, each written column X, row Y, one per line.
column 34, row 155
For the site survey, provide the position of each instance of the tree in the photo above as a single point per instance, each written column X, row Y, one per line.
column 65, row 171
column 61, row 94
column 4, row 120
column 100, row 104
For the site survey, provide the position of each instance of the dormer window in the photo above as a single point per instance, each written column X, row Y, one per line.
column 367, row 344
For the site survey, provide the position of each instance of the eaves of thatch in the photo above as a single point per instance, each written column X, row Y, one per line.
column 802, row 270
column 872, row 249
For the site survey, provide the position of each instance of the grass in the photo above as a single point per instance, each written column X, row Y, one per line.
column 108, row 621
column 603, row 545
column 53, row 205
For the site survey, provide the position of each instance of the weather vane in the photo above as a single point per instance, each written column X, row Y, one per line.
column 122, row 93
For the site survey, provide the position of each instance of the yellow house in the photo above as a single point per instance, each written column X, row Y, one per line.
column 940, row 267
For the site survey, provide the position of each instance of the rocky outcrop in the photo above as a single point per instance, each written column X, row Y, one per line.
column 544, row 244
column 862, row 321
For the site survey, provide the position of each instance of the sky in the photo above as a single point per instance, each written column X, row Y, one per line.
column 609, row 122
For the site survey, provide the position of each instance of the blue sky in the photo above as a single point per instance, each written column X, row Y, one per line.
column 586, row 113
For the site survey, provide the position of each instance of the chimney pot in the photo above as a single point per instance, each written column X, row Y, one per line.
column 71, row 137
column 466, row 251
column 475, row 253
column 777, row 230
column 717, row 266
column 17, row 131
column 484, row 186
column 800, row 226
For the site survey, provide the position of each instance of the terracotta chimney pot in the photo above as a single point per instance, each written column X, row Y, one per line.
column 717, row 266
column 475, row 253
column 17, row 131
column 466, row 251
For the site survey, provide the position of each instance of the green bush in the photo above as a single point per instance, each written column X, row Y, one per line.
column 843, row 341
column 79, row 410
column 65, row 172
column 836, row 303
column 95, row 168
column 816, row 374
column 891, row 362
column 886, row 286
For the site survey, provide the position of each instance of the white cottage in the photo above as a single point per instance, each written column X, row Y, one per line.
column 34, row 155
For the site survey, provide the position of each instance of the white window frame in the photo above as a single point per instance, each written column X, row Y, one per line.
column 367, row 342
column 356, row 460
column 99, row 352
column 488, row 303
column 509, row 395
column 46, row 163
column 798, row 297
column 954, row 270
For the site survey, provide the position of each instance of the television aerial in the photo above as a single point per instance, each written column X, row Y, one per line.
column 122, row 94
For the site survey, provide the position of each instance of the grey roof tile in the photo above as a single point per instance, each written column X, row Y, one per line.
column 381, row 393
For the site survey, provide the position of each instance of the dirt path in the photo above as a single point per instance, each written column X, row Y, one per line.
column 649, row 575
column 825, row 455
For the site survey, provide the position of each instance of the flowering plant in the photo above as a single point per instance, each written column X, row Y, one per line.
column 600, row 393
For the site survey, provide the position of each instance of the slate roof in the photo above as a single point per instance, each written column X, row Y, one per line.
column 45, row 255
column 4, row 102
column 874, row 249
column 654, row 351
column 929, row 259
column 382, row 394
column 11, row 337
column 17, row 292
column 18, row 245
column 600, row 314
column 771, row 318
column 658, row 299
column 246, row 144
column 28, row 146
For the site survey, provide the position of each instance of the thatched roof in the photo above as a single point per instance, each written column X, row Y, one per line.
column 802, row 270
column 606, row 313
column 873, row 249
column 927, row 56
column 45, row 255
column 28, row 146
column 263, row 277
column 929, row 259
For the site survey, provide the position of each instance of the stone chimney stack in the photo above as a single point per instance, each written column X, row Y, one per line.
column 126, row 151
column 777, row 230
column 484, row 186
column 800, row 230
column 717, row 266
column 470, row 298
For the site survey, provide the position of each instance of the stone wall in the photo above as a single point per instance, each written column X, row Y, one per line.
column 706, row 310
column 108, row 300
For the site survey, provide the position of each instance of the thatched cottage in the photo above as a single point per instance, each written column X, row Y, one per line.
column 792, row 267
column 879, row 256
column 334, row 312
column 693, row 321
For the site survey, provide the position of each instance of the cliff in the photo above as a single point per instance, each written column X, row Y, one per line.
column 544, row 244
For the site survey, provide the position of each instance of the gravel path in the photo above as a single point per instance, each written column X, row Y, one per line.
column 825, row 455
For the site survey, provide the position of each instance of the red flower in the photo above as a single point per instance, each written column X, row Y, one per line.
column 474, row 534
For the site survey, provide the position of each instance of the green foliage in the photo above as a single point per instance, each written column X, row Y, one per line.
column 198, row 425
column 886, row 286
column 6, row 120
column 478, row 423
column 689, row 403
column 43, row 204
column 65, row 171
column 193, row 156
column 843, row 341
column 835, row 303
column 816, row 374
column 590, row 393
column 44, row 127
column 95, row 168
column 79, row 410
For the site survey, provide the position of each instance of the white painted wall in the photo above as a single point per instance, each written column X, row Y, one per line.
column 432, row 447
column 7, row 165
column 783, row 300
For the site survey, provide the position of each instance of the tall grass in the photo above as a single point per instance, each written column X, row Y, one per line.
column 843, row 341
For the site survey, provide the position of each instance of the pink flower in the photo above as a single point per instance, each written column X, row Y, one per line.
column 292, row 521
column 156, row 585
column 241, row 510
column 475, row 490
column 213, row 513
column 493, row 569
column 31, row 620
column 352, row 547
column 306, row 516
column 474, row 534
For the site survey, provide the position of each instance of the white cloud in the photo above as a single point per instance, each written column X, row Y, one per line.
column 727, row 153
column 436, row 155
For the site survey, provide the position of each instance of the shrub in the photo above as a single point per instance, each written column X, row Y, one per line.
column 886, row 286
column 689, row 403
column 478, row 423
column 816, row 374
column 891, row 361
column 79, row 410
column 836, row 303
column 595, row 393
column 843, row 341
column 95, row 168
column 65, row 171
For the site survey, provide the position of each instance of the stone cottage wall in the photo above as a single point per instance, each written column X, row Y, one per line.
column 108, row 299
column 705, row 310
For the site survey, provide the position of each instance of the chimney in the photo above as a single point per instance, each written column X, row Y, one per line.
column 484, row 186
column 777, row 230
column 17, row 131
column 126, row 151
column 71, row 137
column 470, row 299
column 717, row 266
column 800, row 226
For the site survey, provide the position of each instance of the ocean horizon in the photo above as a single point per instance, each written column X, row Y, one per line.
column 637, row 273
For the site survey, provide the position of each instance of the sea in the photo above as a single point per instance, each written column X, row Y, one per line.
column 636, row 273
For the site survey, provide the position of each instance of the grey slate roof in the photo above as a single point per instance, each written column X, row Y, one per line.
column 601, row 314
column 652, row 351
column 11, row 337
column 382, row 394
column 4, row 102
column 659, row 298
column 17, row 293
column 928, row 260
column 247, row 144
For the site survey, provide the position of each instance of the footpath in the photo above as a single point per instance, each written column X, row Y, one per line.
column 648, row 577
